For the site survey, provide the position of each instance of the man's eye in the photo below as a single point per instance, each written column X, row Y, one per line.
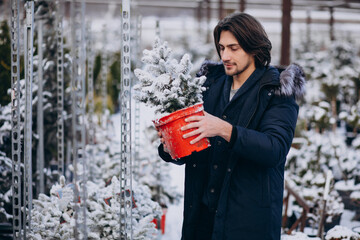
column 234, row 48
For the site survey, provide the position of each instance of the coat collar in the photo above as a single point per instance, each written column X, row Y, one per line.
column 286, row 81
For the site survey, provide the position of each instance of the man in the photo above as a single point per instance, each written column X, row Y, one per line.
column 234, row 189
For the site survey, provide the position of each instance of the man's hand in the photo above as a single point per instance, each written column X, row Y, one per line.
column 207, row 126
column 163, row 142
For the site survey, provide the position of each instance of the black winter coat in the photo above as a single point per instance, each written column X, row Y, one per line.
column 247, row 182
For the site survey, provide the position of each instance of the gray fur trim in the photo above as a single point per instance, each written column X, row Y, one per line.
column 292, row 82
column 204, row 69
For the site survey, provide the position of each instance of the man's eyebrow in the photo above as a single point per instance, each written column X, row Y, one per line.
column 230, row 45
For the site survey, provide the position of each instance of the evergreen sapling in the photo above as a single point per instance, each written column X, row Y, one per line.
column 165, row 83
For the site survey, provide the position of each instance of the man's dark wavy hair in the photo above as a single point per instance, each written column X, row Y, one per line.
column 249, row 33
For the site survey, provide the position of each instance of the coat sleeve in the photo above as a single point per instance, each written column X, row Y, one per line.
column 269, row 144
column 167, row 158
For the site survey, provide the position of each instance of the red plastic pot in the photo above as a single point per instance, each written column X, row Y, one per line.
column 170, row 125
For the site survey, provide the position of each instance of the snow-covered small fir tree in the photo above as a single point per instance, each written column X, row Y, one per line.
column 341, row 232
column 165, row 83
column 52, row 216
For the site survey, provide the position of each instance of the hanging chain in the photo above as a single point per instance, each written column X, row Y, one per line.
column 78, row 115
column 15, row 119
column 60, row 90
column 126, row 172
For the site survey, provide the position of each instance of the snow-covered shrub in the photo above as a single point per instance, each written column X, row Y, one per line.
column 155, row 173
column 352, row 117
column 165, row 83
column 297, row 236
column 318, row 115
column 341, row 232
column 5, row 187
column 305, row 173
column 52, row 216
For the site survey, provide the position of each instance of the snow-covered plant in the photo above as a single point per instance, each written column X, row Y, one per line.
column 318, row 115
column 165, row 83
column 297, row 236
column 305, row 169
column 5, row 187
column 340, row 232
column 52, row 216
column 155, row 173
column 352, row 117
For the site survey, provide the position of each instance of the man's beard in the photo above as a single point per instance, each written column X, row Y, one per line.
column 238, row 72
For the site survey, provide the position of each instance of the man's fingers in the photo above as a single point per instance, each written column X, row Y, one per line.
column 193, row 118
column 198, row 138
column 192, row 133
column 190, row 126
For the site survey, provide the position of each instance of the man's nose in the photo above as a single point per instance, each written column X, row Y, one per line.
column 225, row 55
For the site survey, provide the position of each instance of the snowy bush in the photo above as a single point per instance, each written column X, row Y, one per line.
column 341, row 232
column 154, row 172
column 297, row 236
column 52, row 216
column 305, row 169
column 5, row 187
column 165, row 83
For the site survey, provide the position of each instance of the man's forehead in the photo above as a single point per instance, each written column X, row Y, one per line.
column 227, row 38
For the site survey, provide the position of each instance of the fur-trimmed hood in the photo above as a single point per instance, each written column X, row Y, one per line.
column 292, row 82
column 292, row 78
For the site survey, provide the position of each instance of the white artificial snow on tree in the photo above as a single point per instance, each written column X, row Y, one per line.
column 154, row 172
column 165, row 83
column 52, row 215
column 305, row 169
column 297, row 236
column 341, row 233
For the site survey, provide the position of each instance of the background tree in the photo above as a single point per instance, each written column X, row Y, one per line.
column 5, row 63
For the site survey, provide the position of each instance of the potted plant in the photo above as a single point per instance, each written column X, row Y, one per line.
column 167, row 85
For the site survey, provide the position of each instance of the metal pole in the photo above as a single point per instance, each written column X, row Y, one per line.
column 104, row 74
column 199, row 17
column 28, row 36
column 78, row 114
column 15, row 120
column 221, row 9
column 331, row 24
column 308, row 29
column 137, row 138
column 242, row 5
column 125, row 160
column 286, row 33
column 40, row 117
column 60, row 91
column 157, row 28
column 136, row 169
column 208, row 19
column 90, row 94
column 68, row 174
